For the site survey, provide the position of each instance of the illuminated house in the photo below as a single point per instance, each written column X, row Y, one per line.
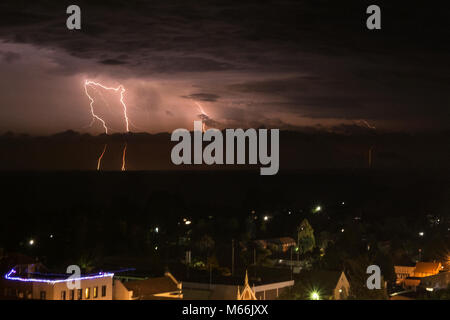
column 403, row 272
column 32, row 281
column 28, row 282
column 279, row 244
column 416, row 274
column 426, row 269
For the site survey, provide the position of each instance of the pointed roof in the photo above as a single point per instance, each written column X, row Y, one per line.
column 247, row 292
column 246, row 278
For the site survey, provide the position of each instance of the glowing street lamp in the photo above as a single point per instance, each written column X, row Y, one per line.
column 315, row 295
column 31, row 242
column 317, row 209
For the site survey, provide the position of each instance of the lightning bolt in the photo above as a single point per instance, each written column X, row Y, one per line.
column 119, row 89
column 124, row 153
column 91, row 104
column 364, row 122
column 99, row 162
column 200, row 108
column 202, row 111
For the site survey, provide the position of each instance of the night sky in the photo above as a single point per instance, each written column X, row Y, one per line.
column 284, row 64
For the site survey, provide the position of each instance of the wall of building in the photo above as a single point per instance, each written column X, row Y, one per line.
column 16, row 289
column 271, row 291
column 54, row 291
column 403, row 272
column 39, row 287
column 342, row 289
column 120, row 292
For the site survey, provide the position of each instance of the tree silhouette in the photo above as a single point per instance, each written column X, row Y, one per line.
column 305, row 239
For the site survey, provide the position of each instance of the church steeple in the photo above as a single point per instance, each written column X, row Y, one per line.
column 247, row 292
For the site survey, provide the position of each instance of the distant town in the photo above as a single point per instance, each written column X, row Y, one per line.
column 318, row 248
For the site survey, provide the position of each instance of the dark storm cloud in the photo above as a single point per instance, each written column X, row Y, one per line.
column 276, row 86
column 304, row 95
column 170, row 36
column 210, row 97
column 220, row 35
column 112, row 62
column 158, row 37
column 312, row 60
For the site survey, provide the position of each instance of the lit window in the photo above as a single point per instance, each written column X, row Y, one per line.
column 87, row 293
column 95, row 293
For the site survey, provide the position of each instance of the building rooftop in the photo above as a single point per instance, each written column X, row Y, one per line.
column 51, row 278
column 427, row 267
column 148, row 288
column 38, row 273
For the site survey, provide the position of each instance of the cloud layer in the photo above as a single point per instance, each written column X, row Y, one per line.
column 292, row 64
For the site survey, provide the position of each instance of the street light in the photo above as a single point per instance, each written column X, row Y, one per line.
column 315, row 295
